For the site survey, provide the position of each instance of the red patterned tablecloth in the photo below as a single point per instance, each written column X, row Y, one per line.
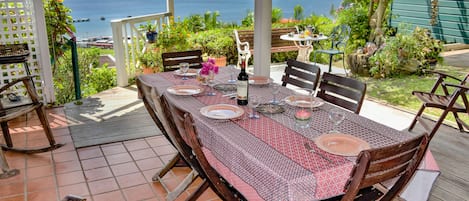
column 266, row 158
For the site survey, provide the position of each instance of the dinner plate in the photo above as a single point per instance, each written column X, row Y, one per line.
column 222, row 111
column 341, row 144
column 303, row 101
column 259, row 80
column 190, row 72
column 185, row 90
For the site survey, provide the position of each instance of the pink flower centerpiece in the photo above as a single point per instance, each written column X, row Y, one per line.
column 208, row 71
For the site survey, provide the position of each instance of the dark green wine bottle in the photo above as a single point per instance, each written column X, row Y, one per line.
column 243, row 84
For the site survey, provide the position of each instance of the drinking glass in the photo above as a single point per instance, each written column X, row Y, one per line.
column 232, row 70
column 184, row 67
column 253, row 103
column 336, row 115
column 275, row 90
column 211, row 83
column 303, row 112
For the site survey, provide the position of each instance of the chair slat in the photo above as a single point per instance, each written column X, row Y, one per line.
column 171, row 60
column 301, row 74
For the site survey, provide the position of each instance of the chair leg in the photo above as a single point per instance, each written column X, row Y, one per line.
column 198, row 192
column 460, row 126
column 343, row 64
column 437, row 125
column 41, row 113
column 6, row 171
column 419, row 113
column 330, row 62
column 6, row 134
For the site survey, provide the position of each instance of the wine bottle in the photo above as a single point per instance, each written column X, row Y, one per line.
column 243, row 84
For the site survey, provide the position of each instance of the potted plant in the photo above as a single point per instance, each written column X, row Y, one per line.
column 150, row 61
column 151, row 33
column 216, row 43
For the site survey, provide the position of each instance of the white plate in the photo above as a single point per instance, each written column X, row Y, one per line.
column 185, row 90
column 341, row 144
column 222, row 111
column 190, row 72
column 303, row 101
column 259, row 80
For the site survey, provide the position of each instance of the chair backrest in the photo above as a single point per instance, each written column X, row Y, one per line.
column 171, row 60
column 301, row 74
column 183, row 123
column 339, row 36
column 374, row 166
column 342, row 91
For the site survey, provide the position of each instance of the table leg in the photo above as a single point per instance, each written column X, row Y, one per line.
column 6, row 172
column 303, row 53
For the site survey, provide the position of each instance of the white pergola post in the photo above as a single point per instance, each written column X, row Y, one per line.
column 262, row 36
column 170, row 6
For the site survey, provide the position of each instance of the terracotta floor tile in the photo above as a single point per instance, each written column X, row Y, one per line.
column 67, row 147
column 157, row 141
column 148, row 174
column 181, row 171
column 89, row 152
column 13, row 198
column 40, row 171
column 159, row 190
column 16, row 162
column 209, row 195
column 40, row 184
column 98, row 174
column 80, row 189
column 60, row 132
column 142, row 154
column 10, row 189
column 34, row 160
column 70, row 178
column 64, row 139
column 125, row 168
column 43, row 195
column 114, row 196
column 118, row 158
column 140, row 192
column 65, row 156
column 164, row 150
column 136, row 144
column 114, row 148
column 67, row 166
column 21, row 177
column 93, row 163
column 129, row 180
column 149, row 163
column 167, row 158
column 102, row 186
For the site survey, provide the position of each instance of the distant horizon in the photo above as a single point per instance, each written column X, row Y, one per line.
column 102, row 12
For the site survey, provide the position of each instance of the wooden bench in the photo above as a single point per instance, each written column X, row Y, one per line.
column 278, row 45
column 245, row 41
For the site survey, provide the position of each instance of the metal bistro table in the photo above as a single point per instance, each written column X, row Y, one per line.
column 265, row 159
column 304, row 44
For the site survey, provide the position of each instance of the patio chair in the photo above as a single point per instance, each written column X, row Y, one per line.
column 396, row 162
column 189, row 141
column 152, row 102
column 339, row 37
column 19, row 98
column 342, row 91
column 171, row 60
column 301, row 74
column 448, row 102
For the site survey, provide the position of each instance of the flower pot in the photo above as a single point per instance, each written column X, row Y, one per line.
column 220, row 61
column 148, row 71
column 151, row 36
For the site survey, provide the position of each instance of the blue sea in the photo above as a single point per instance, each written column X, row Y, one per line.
column 101, row 12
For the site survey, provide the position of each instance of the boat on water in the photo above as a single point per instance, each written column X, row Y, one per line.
column 81, row 20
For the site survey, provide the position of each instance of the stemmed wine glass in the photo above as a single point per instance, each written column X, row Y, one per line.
column 232, row 69
column 275, row 90
column 183, row 68
column 211, row 83
column 336, row 115
column 254, row 102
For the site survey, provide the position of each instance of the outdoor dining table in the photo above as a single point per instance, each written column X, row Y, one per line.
column 265, row 158
column 304, row 44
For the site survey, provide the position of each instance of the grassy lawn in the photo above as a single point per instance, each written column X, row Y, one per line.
column 398, row 91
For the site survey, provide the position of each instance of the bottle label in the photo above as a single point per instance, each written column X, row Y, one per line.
column 242, row 90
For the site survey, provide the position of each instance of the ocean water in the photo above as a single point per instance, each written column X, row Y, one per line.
column 101, row 12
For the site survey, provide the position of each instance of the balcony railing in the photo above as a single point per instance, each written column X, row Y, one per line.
column 130, row 41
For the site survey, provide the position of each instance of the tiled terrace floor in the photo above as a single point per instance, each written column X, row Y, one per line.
column 112, row 172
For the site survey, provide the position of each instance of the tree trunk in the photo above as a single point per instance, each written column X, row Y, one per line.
column 376, row 22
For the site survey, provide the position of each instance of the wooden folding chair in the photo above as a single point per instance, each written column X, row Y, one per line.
column 18, row 98
column 301, row 74
column 447, row 102
column 189, row 141
column 152, row 102
column 171, row 60
column 395, row 162
column 342, row 91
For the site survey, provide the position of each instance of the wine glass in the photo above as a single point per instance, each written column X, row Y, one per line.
column 232, row 70
column 275, row 90
column 183, row 68
column 336, row 115
column 253, row 103
column 211, row 83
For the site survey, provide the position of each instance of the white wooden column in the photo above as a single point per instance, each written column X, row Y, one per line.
column 262, row 36
column 170, row 6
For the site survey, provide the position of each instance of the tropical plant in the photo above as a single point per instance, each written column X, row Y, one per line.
column 248, row 20
column 298, row 12
column 356, row 17
column 276, row 15
column 173, row 36
column 151, row 59
column 215, row 42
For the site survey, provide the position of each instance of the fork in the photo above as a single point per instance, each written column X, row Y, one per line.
column 309, row 148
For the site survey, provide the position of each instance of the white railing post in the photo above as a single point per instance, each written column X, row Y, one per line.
column 119, row 52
